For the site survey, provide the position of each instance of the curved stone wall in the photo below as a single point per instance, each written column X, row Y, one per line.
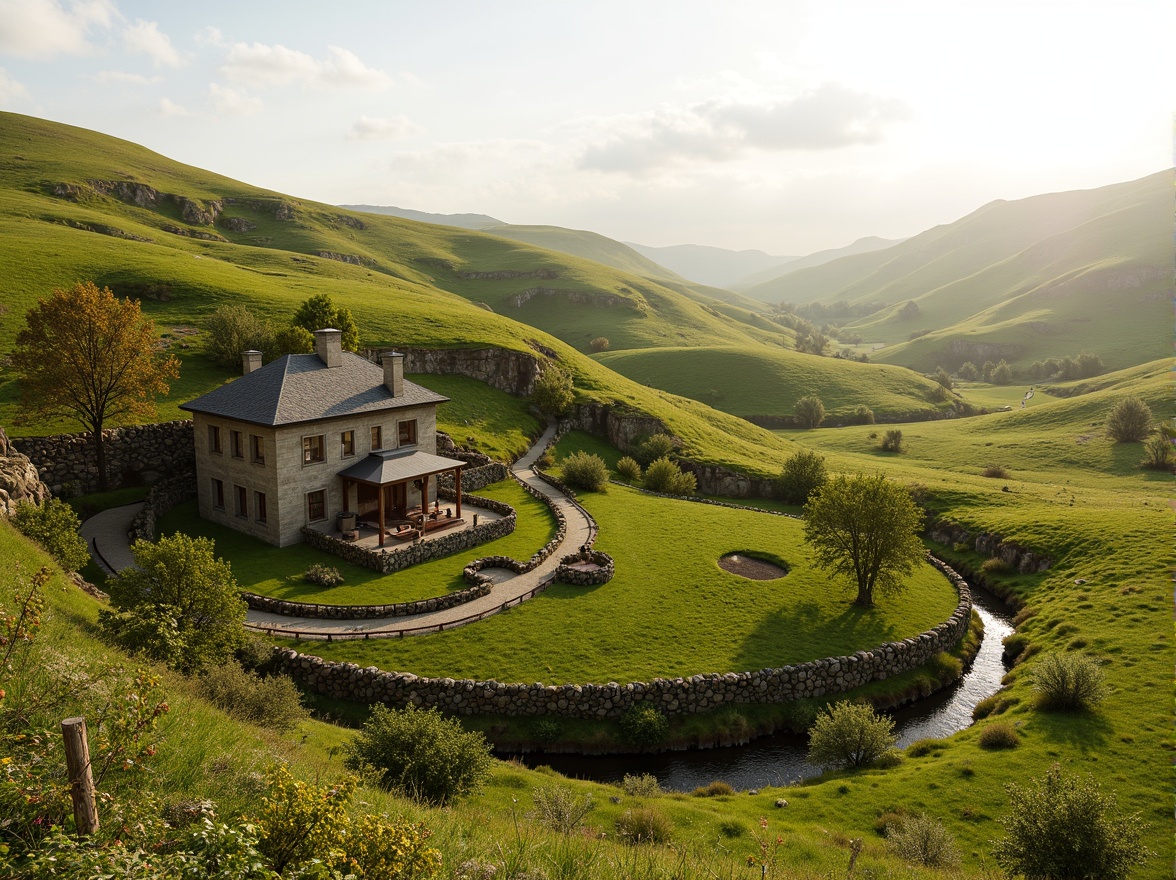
column 363, row 612
column 678, row 696
column 567, row 573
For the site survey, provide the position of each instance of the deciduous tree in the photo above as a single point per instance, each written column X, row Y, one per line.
column 866, row 528
column 88, row 356
column 320, row 312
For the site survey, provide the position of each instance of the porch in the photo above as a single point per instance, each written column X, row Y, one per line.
column 404, row 532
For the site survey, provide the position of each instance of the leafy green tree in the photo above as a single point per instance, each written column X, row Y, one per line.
column 234, row 329
column 421, row 753
column 554, row 391
column 1065, row 828
column 968, row 372
column 320, row 312
column 289, row 340
column 1002, row 374
column 849, row 735
column 866, row 528
column 810, row 412
column 179, row 604
column 582, row 470
column 1130, row 421
column 54, row 525
column 803, row 472
column 88, row 356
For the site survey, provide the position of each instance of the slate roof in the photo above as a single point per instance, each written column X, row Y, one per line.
column 301, row 388
column 397, row 465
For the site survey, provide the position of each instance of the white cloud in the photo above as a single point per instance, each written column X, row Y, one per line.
column 370, row 128
column 210, row 36
column 278, row 65
column 44, row 28
column 168, row 107
column 106, row 77
column 231, row 102
column 10, row 89
column 145, row 37
column 828, row 117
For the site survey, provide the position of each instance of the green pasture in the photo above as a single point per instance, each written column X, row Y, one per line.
column 277, row 571
column 482, row 417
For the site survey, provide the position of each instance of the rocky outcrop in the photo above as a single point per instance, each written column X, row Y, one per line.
column 1015, row 556
column 237, row 224
column 502, row 274
column 19, row 478
column 595, row 298
column 514, row 372
column 351, row 259
column 622, row 429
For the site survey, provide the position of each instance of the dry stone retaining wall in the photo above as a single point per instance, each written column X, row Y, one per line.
column 162, row 498
column 991, row 545
column 678, row 696
column 364, row 612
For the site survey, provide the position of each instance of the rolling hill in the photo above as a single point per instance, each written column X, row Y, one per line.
column 461, row 221
column 715, row 266
column 862, row 246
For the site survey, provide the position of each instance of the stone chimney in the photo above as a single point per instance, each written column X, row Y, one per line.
column 250, row 361
column 328, row 345
column 393, row 372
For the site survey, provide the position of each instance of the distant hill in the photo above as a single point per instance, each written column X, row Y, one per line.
column 582, row 243
column 715, row 266
column 861, row 246
column 462, row 221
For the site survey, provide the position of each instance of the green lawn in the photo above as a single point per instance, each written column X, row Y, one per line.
column 272, row 571
column 485, row 418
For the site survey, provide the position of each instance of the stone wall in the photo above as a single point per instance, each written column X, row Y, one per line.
column 514, row 372
column 1014, row 555
column 678, row 696
column 364, row 612
column 135, row 455
column 19, row 478
column 567, row 573
column 163, row 497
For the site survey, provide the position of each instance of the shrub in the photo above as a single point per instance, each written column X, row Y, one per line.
column 1068, row 682
column 943, row 377
column 232, row 330
column 644, row 725
column 997, row 471
column 1130, row 420
column 718, row 788
column 995, row 565
column 849, row 735
column 583, row 470
column 862, row 415
column 732, row 828
column 600, row 343
column 968, row 372
column 999, row 735
column 1064, row 827
column 810, row 412
column 54, row 525
column 323, row 575
column 640, row 785
column 923, row 841
column 665, row 476
column 273, row 702
column 1002, row 374
column 803, row 472
column 421, row 753
column 559, row 808
column 255, row 653
column 653, row 447
column 553, row 392
column 644, row 825
column 548, row 730
column 629, row 469
column 891, row 441
column 938, row 394
column 1158, row 454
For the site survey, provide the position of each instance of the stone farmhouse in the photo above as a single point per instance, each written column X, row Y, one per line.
column 308, row 437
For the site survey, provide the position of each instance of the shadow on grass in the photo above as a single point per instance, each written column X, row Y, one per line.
column 1084, row 730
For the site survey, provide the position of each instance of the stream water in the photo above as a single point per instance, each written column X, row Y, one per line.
column 780, row 759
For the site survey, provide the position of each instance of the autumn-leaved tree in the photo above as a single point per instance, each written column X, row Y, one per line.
column 866, row 528
column 86, row 355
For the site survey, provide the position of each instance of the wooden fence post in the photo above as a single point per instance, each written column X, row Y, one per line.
column 81, row 779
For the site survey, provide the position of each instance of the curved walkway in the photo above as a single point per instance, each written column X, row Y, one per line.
column 106, row 535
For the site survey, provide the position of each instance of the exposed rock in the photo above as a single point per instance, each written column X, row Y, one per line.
column 505, row 274
column 623, row 430
column 352, row 222
column 196, row 214
column 343, row 258
column 514, row 372
column 596, row 298
column 191, row 233
column 19, row 478
column 237, row 224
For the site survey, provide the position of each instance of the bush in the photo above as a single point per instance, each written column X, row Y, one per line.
column 323, row 575
column 968, row 372
column 1158, row 454
column 629, row 469
column 862, row 415
column 665, row 476
column 559, row 808
column 1002, row 374
column 997, row 471
column 943, row 377
column 644, row 825
column 923, row 841
column 718, row 788
column 849, row 735
column 644, row 725
column 582, row 470
column 803, row 472
column 891, row 441
column 421, row 753
column 54, row 525
column 640, row 785
column 1064, row 827
column 600, row 343
column 995, row 565
column 1068, row 682
column 999, row 735
column 810, row 412
column 233, row 330
column 273, row 702
column 553, row 393
column 1130, row 420
column 653, row 447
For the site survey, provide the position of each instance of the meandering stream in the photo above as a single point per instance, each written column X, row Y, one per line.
column 780, row 759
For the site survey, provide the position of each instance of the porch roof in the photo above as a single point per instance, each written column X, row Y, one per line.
column 398, row 466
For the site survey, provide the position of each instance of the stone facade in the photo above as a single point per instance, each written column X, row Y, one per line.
column 19, row 479
column 679, row 696
column 134, row 455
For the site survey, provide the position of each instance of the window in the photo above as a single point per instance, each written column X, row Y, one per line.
column 407, row 431
column 259, row 506
column 377, row 437
column 312, row 449
column 316, row 505
column 218, row 495
column 237, row 449
column 214, row 440
column 257, row 448
column 242, row 500
column 347, row 444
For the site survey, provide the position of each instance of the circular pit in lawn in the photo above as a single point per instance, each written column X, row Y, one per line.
column 751, row 567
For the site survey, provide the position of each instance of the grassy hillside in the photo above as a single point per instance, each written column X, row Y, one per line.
column 762, row 278
column 590, row 245
column 1049, row 275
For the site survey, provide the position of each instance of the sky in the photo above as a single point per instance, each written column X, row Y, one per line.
column 784, row 126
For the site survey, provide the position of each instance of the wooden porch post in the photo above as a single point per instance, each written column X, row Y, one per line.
column 457, row 489
column 380, row 497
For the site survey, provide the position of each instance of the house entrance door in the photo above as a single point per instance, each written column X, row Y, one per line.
column 398, row 501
